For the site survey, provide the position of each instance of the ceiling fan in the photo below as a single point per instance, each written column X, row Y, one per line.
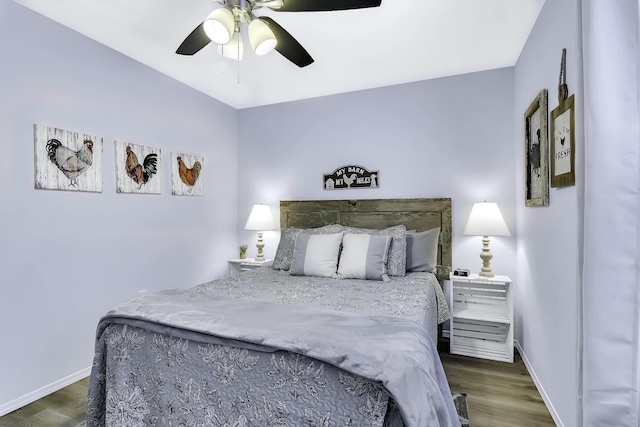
column 222, row 26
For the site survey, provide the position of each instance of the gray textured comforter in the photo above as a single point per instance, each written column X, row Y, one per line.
column 416, row 296
column 130, row 387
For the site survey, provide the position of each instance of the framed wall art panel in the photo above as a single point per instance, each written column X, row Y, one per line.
column 186, row 175
column 137, row 169
column 67, row 160
column 563, row 146
column 535, row 152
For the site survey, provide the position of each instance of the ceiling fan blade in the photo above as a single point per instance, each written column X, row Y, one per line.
column 287, row 45
column 325, row 5
column 194, row 42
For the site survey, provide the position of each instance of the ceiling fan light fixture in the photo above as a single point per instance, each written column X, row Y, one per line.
column 261, row 37
column 219, row 25
column 234, row 49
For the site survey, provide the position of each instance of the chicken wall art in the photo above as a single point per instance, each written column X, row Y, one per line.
column 186, row 175
column 67, row 160
column 137, row 169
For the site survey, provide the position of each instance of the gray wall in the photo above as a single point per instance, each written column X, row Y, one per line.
column 459, row 137
column 449, row 137
column 549, row 238
column 67, row 257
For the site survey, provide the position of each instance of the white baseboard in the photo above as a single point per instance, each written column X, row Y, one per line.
column 42, row 392
column 538, row 385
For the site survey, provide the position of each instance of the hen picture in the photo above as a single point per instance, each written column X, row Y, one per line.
column 137, row 169
column 186, row 175
column 67, row 160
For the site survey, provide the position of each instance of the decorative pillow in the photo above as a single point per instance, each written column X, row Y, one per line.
column 364, row 256
column 284, row 253
column 422, row 250
column 397, row 251
column 316, row 254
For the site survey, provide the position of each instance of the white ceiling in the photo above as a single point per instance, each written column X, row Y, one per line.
column 398, row 42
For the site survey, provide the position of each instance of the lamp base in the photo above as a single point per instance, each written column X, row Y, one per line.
column 486, row 256
column 260, row 245
column 486, row 274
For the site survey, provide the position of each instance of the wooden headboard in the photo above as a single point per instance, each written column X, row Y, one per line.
column 415, row 214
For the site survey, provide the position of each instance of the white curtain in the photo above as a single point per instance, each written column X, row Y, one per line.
column 611, row 285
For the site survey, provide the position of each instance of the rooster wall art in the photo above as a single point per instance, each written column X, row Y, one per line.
column 141, row 173
column 186, row 171
column 137, row 169
column 67, row 160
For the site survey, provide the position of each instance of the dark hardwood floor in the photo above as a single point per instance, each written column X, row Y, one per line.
column 64, row 408
column 499, row 394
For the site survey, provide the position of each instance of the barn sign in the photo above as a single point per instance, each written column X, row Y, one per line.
column 351, row 176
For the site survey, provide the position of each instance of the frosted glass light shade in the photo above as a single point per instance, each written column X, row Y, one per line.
column 219, row 25
column 260, row 219
column 486, row 219
column 234, row 49
column 261, row 37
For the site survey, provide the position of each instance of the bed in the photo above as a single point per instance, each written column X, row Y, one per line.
column 284, row 345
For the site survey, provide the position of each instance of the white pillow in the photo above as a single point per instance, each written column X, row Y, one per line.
column 284, row 253
column 316, row 255
column 364, row 256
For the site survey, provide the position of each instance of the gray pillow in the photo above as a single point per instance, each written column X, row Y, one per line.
column 422, row 250
column 364, row 256
column 284, row 252
column 397, row 252
column 316, row 254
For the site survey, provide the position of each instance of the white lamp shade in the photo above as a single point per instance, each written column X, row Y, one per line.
column 219, row 25
column 486, row 219
column 234, row 49
column 261, row 37
column 260, row 219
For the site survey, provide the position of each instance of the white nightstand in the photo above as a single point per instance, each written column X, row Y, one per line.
column 238, row 265
column 481, row 322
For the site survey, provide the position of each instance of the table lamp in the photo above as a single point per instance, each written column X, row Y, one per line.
column 260, row 220
column 486, row 220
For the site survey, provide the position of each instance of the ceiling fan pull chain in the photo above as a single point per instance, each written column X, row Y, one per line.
column 222, row 60
column 239, row 35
